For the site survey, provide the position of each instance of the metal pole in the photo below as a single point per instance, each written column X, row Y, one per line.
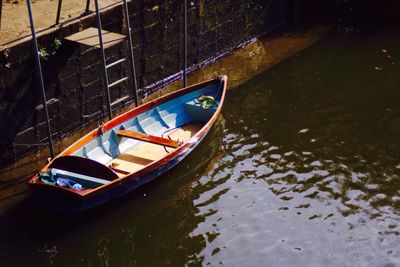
column 58, row 11
column 185, row 45
column 40, row 74
column 103, row 56
column 87, row 6
column 128, row 29
column 1, row 8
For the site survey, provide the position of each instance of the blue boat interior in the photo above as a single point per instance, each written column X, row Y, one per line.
column 178, row 119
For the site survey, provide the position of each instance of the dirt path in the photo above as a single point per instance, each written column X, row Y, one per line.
column 15, row 20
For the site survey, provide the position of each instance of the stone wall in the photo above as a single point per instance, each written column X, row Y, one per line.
column 73, row 77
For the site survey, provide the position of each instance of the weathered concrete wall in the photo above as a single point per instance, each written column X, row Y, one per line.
column 73, row 75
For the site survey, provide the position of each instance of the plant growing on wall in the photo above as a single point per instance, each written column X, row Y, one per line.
column 46, row 53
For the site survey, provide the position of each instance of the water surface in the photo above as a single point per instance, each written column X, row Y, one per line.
column 302, row 169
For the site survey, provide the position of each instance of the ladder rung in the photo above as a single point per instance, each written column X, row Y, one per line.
column 116, row 63
column 119, row 100
column 118, row 82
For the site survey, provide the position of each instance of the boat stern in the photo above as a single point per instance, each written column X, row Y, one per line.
column 56, row 198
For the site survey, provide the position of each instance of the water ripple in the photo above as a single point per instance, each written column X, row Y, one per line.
column 303, row 179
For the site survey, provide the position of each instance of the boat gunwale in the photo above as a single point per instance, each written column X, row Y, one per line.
column 34, row 181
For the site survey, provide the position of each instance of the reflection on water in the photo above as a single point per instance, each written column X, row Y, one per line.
column 310, row 174
column 303, row 169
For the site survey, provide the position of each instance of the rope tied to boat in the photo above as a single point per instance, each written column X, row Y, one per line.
column 47, row 178
column 206, row 101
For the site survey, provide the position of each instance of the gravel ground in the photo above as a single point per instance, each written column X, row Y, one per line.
column 15, row 20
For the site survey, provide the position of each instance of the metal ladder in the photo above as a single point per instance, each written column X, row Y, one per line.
column 106, row 66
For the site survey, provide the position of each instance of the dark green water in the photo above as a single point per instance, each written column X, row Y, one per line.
column 302, row 169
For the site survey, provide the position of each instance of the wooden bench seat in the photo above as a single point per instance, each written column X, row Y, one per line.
column 148, row 138
column 147, row 152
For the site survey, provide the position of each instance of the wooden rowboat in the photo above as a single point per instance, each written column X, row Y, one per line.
column 129, row 150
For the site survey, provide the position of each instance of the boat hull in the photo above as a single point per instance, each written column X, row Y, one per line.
column 102, row 182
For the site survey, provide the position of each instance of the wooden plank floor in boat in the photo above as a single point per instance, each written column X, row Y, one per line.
column 140, row 156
